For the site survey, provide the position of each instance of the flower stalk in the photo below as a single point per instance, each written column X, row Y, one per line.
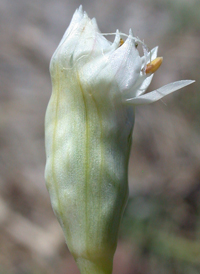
column 88, row 133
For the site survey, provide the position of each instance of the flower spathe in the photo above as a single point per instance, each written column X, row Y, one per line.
column 88, row 129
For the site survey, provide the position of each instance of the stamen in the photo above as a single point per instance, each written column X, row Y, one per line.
column 154, row 65
column 121, row 42
column 136, row 39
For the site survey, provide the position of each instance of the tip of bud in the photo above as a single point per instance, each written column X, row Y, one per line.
column 154, row 65
column 130, row 32
column 80, row 9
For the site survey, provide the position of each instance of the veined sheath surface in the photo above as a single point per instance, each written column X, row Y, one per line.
column 88, row 138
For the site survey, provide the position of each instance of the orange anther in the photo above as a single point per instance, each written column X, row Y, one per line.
column 121, row 42
column 154, row 65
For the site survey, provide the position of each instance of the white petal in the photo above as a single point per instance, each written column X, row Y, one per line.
column 100, row 41
column 85, row 40
column 76, row 19
column 159, row 93
column 116, row 41
column 145, row 85
column 145, row 60
column 152, row 54
column 90, row 42
column 125, row 63
column 140, row 86
column 72, row 36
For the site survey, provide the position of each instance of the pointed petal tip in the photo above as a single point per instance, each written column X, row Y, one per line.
column 117, row 36
column 85, row 14
column 116, row 41
column 155, row 49
column 130, row 33
column 94, row 22
column 191, row 81
column 185, row 83
column 80, row 9
column 78, row 14
column 130, row 38
column 159, row 93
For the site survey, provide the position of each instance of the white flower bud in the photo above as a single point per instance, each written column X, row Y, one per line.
column 88, row 129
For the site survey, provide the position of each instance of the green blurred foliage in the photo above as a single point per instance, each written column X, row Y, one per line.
column 165, row 230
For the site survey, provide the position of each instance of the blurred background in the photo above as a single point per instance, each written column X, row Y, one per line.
column 160, row 232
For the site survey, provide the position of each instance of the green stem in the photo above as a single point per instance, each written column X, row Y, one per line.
column 88, row 267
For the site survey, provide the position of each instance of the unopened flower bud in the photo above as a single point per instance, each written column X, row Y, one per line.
column 88, row 132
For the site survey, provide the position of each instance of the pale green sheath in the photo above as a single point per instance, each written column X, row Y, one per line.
column 88, row 140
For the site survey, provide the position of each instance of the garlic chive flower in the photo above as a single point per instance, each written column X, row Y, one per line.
column 88, row 132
